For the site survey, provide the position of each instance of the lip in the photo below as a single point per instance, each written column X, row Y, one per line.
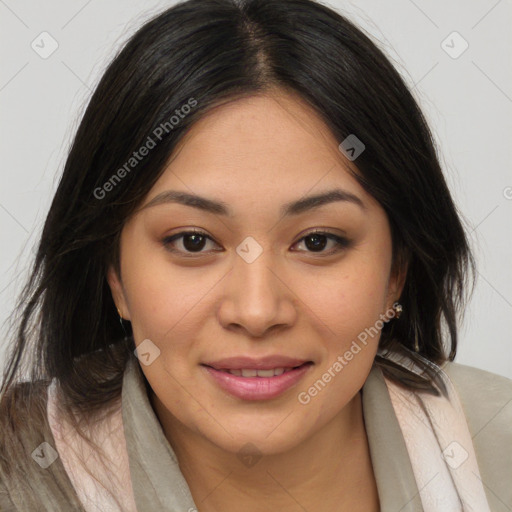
column 257, row 388
column 263, row 363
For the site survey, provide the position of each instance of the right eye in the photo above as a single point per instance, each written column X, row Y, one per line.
column 192, row 242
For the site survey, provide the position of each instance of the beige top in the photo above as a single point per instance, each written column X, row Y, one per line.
column 158, row 484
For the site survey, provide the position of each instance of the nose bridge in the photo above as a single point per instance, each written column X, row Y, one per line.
column 253, row 276
column 257, row 298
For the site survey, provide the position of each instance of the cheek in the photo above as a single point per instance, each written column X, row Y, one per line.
column 168, row 304
column 350, row 297
column 348, row 308
column 163, row 304
column 348, row 326
column 155, row 296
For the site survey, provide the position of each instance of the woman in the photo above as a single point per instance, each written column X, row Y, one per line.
column 246, row 292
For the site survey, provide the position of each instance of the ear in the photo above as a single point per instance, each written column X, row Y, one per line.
column 118, row 294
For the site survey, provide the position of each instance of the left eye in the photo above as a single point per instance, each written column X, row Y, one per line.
column 317, row 240
column 195, row 241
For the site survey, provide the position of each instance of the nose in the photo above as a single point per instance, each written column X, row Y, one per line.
column 257, row 297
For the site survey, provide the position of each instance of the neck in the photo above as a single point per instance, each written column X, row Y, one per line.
column 331, row 470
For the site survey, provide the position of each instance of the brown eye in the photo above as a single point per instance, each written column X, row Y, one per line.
column 190, row 242
column 317, row 241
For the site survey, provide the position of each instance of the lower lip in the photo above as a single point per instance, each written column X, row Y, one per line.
column 257, row 388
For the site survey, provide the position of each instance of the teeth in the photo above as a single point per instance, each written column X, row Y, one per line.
column 251, row 372
column 264, row 373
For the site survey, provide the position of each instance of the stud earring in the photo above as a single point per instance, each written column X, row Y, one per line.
column 397, row 308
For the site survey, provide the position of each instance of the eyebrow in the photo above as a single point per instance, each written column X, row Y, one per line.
column 221, row 208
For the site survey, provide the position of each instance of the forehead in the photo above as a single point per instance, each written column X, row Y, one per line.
column 270, row 127
column 258, row 151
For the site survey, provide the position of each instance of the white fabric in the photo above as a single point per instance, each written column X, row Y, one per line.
column 430, row 426
column 440, row 449
column 100, row 487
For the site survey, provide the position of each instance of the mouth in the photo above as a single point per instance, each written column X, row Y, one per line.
column 257, row 379
column 253, row 372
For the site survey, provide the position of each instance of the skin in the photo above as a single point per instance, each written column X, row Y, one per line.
column 256, row 154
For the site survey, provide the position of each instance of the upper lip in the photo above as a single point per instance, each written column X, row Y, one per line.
column 263, row 363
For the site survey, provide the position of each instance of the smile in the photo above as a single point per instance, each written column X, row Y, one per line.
column 257, row 384
column 251, row 372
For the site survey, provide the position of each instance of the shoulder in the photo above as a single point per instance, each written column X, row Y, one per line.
column 486, row 399
column 460, row 371
column 22, row 415
column 484, row 395
column 30, row 466
column 6, row 504
column 22, row 411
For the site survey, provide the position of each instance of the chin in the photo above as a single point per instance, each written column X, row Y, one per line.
column 270, row 436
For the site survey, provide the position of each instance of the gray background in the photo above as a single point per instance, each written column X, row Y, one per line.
column 467, row 99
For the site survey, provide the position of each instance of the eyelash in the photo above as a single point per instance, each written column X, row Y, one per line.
column 342, row 243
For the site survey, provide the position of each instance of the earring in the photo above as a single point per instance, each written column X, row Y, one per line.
column 121, row 322
column 397, row 308
column 121, row 319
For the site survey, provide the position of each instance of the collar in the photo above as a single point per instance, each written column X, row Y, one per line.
column 159, row 485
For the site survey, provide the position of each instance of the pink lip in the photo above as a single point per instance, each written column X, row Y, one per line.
column 257, row 388
column 263, row 363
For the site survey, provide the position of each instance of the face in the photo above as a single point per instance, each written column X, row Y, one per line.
column 277, row 290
